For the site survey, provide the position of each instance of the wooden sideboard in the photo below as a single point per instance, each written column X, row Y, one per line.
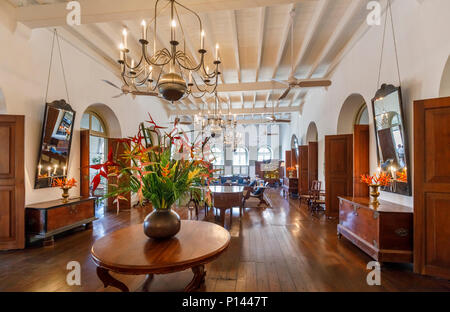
column 46, row 219
column 385, row 233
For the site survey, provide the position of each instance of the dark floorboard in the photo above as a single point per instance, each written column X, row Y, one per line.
column 283, row 248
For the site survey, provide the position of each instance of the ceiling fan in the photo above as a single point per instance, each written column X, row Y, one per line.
column 274, row 119
column 126, row 90
column 293, row 82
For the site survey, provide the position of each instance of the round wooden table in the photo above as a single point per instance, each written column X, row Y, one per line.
column 130, row 251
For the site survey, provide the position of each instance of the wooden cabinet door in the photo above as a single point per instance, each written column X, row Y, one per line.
column 118, row 148
column 360, row 159
column 338, row 170
column 432, row 187
column 12, row 187
column 303, row 186
column 313, row 162
column 84, row 163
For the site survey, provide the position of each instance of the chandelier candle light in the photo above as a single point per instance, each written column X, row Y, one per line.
column 177, row 74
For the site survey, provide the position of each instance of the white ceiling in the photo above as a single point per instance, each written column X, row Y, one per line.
column 254, row 39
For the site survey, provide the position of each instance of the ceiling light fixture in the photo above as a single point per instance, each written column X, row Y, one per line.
column 176, row 74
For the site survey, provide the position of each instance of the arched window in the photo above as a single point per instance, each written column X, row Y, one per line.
column 98, row 145
column 218, row 156
column 264, row 153
column 362, row 117
column 240, row 156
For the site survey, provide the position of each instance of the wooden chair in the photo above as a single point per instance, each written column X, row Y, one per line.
column 307, row 197
column 196, row 203
column 316, row 198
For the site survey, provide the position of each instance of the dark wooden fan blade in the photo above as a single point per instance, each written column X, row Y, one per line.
column 285, row 93
column 282, row 120
column 144, row 93
column 111, row 84
column 314, row 83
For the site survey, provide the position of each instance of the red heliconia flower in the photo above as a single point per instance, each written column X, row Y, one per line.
column 103, row 170
column 151, row 121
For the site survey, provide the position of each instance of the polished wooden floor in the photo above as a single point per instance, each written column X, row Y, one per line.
column 283, row 248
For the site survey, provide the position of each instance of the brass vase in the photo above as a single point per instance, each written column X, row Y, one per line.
column 374, row 190
column 65, row 194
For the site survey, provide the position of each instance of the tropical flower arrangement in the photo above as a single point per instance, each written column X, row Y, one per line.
column 374, row 182
column 291, row 171
column 159, row 166
column 380, row 179
column 64, row 184
column 402, row 176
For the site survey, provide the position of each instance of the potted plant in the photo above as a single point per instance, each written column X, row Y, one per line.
column 164, row 167
column 374, row 182
column 65, row 185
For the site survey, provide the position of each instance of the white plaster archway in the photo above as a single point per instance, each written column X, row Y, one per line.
column 109, row 117
column 2, row 103
column 445, row 81
column 348, row 113
column 312, row 135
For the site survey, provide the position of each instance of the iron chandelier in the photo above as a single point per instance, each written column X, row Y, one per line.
column 169, row 71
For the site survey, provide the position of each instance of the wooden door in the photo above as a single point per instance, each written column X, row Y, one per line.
column 12, row 187
column 432, row 187
column 84, row 163
column 338, row 170
column 313, row 162
column 118, row 148
column 303, row 186
column 360, row 159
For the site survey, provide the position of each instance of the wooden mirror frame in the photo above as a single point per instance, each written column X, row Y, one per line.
column 384, row 91
column 61, row 105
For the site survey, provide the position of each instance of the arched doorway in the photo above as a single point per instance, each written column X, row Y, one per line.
column 312, row 134
column 2, row 103
column 98, row 124
column 353, row 111
column 98, row 145
column 445, row 81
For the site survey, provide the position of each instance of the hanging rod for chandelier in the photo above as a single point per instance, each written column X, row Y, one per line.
column 177, row 75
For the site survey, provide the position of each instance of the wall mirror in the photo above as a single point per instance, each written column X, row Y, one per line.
column 391, row 138
column 56, row 139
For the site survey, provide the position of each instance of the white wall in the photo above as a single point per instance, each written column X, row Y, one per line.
column 422, row 33
column 24, row 60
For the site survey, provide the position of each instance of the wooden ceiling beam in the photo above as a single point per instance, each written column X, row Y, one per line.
column 261, row 28
column 284, row 37
column 313, row 25
column 343, row 22
column 235, row 40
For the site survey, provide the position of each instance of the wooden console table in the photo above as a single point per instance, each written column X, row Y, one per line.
column 129, row 251
column 46, row 219
column 385, row 233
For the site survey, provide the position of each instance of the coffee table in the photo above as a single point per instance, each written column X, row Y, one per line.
column 129, row 251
